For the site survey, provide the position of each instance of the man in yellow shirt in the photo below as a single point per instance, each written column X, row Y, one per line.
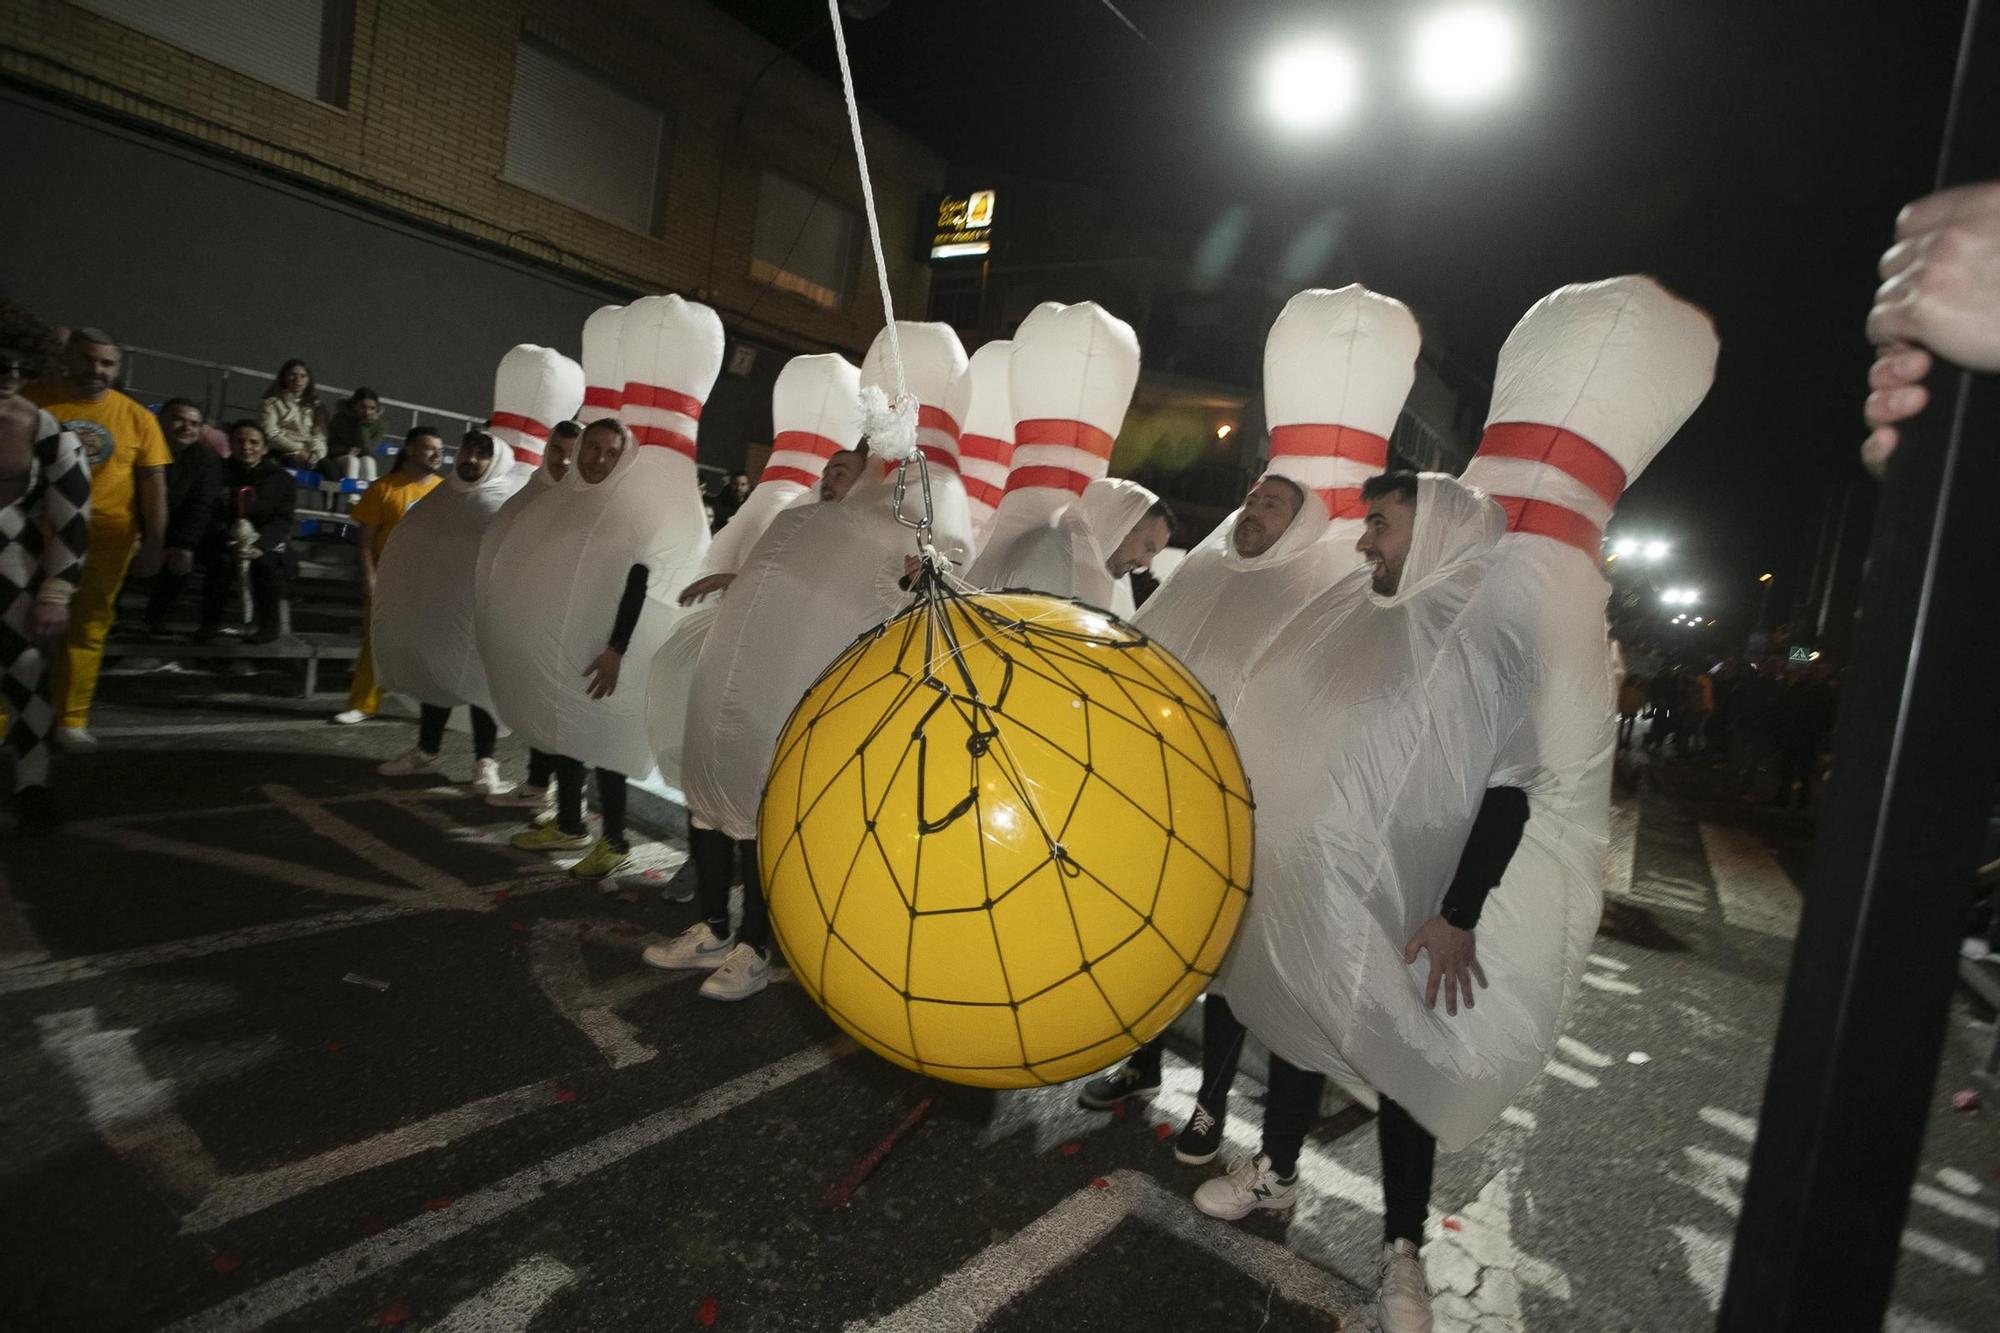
column 414, row 476
column 128, row 507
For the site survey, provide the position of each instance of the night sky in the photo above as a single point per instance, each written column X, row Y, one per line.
column 1752, row 156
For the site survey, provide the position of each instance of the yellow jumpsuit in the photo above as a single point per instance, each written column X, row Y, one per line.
column 382, row 508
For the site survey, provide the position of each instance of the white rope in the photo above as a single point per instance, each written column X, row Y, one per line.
column 891, row 426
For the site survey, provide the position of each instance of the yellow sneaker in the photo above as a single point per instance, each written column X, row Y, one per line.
column 604, row 859
column 549, row 838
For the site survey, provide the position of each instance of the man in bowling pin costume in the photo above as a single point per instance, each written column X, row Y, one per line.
column 1511, row 688
column 1337, row 367
column 821, row 574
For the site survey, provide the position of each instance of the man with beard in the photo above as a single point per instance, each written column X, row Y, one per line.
column 253, row 525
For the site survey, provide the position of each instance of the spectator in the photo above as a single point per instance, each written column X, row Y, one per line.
column 195, row 481
column 251, row 532
column 730, row 497
column 1664, row 695
column 1700, row 703
column 1804, row 720
column 381, row 509
column 128, row 509
column 351, row 437
column 293, row 418
column 1631, row 698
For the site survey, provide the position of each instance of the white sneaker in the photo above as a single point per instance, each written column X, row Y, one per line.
column 1403, row 1300
column 696, row 949
column 525, row 796
column 743, row 973
column 1252, row 1185
column 349, row 717
column 411, row 762
column 76, row 740
column 486, row 777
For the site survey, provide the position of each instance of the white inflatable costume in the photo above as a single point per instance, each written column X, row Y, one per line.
column 815, row 413
column 553, row 586
column 983, row 406
column 1337, row 366
column 1071, row 371
column 1357, row 844
column 821, row 575
column 422, row 630
column 934, row 364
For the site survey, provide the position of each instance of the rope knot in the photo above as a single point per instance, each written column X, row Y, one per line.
column 891, row 428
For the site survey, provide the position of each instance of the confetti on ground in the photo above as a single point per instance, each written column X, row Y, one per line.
column 1118, row 1110
column 1099, row 1183
column 226, row 1262
column 1453, row 1224
column 565, row 1095
column 1965, row 1100
column 704, row 1314
column 843, row 1190
column 436, row 1205
column 1070, row 1149
column 501, row 896
column 1163, row 1132
column 397, row 1313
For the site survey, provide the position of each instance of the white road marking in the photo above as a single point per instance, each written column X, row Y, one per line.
column 511, row 1304
column 236, row 1197
column 1672, row 894
column 1570, row 1074
column 1960, row 1182
column 1008, row 1269
column 555, row 957
column 1707, row 1259
column 291, row 1291
column 1622, row 849
column 1609, row 985
column 249, row 863
column 1900, row 1320
column 1952, row 1206
column 1520, row 1118
column 207, row 728
column 1755, row 892
column 1942, row 1252
column 390, row 860
column 133, row 1111
column 1476, row 1273
column 1583, row 1054
column 1729, row 1122
column 1608, row 964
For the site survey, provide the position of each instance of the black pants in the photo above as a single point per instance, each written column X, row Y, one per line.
column 267, row 587
column 165, row 596
column 1409, row 1153
column 541, row 768
column 716, row 860
column 1221, row 1047
column 431, row 720
column 569, row 799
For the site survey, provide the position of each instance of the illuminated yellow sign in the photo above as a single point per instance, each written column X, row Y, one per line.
column 964, row 226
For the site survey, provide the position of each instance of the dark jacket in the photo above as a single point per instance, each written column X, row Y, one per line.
column 265, row 495
column 194, row 487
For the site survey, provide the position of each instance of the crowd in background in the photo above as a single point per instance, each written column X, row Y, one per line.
column 1762, row 722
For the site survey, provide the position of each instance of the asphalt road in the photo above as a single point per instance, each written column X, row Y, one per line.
column 290, row 1045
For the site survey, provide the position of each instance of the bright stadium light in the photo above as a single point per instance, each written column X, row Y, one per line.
column 1656, row 550
column 1625, row 546
column 1465, row 54
column 1312, row 85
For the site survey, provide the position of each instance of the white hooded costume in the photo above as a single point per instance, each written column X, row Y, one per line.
column 983, row 405
column 552, row 588
column 1337, row 366
column 1591, row 384
column 1357, row 837
column 815, row 414
column 425, row 585
column 821, row 575
column 1071, row 373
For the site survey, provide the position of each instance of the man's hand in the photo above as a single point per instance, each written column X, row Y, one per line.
column 1454, row 961
column 703, row 586
column 48, row 622
column 1940, row 295
column 179, row 560
column 603, row 672
column 147, row 562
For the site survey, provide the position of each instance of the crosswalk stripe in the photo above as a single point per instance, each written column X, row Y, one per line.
column 1755, row 892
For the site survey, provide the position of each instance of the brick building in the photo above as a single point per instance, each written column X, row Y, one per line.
column 399, row 190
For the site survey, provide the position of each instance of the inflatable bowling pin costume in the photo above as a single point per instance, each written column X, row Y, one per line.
column 815, row 413
column 1337, row 366
column 821, row 575
column 983, row 405
column 425, row 586
column 552, row 588
column 603, row 378
column 934, row 364
column 535, row 388
column 1071, row 373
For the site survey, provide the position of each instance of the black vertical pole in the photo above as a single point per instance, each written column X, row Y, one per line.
column 1857, row 1047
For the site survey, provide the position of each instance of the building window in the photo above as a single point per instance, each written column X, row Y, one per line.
column 803, row 242
column 577, row 138
column 298, row 45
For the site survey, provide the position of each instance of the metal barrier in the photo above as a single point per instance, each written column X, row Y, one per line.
column 227, row 392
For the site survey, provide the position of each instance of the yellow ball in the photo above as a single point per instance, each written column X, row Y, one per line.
column 1006, row 839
